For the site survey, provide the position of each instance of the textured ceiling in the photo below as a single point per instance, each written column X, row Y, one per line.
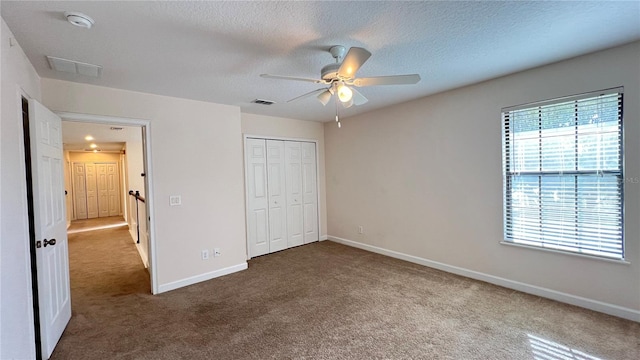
column 215, row 51
column 73, row 134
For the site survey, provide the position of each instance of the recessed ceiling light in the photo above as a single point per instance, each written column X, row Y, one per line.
column 93, row 146
column 79, row 19
column 88, row 137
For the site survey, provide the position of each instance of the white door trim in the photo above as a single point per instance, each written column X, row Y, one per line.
column 263, row 137
column 146, row 133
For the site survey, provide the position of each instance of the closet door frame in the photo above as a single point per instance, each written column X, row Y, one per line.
column 263, row 137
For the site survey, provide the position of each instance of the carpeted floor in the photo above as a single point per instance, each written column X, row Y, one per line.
column 319, row 301
column 96, row 224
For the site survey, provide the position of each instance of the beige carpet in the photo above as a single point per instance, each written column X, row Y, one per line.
column 319, row 301
column 96, row 224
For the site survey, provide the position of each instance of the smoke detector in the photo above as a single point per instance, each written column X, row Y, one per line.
column 79, row 19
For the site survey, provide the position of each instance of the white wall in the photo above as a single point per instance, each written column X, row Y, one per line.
column 90, row 157
column 16, row 310
column 135, row 167
column 424, row 178
column 295, row 129
column 68, row 186
column 197, row 153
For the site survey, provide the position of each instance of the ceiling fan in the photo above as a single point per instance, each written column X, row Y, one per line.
column 341, row 80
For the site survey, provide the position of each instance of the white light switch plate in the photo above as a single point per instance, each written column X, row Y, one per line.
column 175, row 200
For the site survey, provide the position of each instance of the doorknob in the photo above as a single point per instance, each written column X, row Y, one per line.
column 49, row 242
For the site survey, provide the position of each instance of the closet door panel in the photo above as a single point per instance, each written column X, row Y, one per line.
column 92, row 191
column 295, row 219
column 103, row 192
column 113, row 189
column 310, row 192
column 79, row 190
column 277, row 196
column 257, row 197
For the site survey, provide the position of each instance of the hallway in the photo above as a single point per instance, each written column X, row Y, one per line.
column 106, row 273
column 103, row 262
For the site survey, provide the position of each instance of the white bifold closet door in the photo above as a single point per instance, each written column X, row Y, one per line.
column 103, row 193
column 277, row 195
column 92, row 191
column 309, row 192
column 282, row 194
column 295, row 219
column 96, row 190
column 79, row 190
column 257, row 217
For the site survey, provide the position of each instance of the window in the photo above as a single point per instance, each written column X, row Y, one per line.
column 563, row 179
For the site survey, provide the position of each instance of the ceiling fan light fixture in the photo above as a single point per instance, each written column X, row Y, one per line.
column 324, row 97
column 344, row 93
column 348, row 104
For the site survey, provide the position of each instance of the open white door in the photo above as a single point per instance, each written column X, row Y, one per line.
column 52, row 257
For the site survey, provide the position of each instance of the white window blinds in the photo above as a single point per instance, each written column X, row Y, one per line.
column 563, row 179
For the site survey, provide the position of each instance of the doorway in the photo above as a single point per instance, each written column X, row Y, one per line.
column 107, row 164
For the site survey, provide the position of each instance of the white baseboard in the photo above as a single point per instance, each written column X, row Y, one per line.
column 202, row 277
column 134, row 234
column 611, row 309
column 323, row 237
column 143, row 256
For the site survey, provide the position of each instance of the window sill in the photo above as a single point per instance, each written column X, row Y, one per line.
column 615, row 261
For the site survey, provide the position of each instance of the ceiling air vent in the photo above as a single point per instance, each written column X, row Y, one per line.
column 263, row 102
column 115, row 128
column 74, row 67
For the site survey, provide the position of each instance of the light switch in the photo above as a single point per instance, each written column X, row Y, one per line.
column 175, row 200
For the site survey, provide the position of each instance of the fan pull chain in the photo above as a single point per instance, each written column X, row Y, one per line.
column 337, row 120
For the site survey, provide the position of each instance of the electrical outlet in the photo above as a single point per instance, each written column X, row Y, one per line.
column 205, row 254
column 175, row 200
column 216, row 252
column 360, row 229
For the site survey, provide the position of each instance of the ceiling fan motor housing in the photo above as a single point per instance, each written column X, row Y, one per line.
column 330, row 71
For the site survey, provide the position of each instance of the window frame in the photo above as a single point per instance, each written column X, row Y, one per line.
column 507, row 192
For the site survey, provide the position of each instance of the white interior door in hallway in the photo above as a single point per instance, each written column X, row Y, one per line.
column 96, row 190
column 282, row 194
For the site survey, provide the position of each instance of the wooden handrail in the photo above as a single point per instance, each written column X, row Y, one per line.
column 136, row 194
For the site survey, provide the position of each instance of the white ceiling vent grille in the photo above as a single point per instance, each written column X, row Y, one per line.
column 263, row 102
column 74, row 67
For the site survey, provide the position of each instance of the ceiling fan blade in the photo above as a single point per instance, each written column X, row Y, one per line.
column 388, row 80
column 324, row 97
column 352, row 62
column 358, row 98
column 281, row 77
column 311, row 93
